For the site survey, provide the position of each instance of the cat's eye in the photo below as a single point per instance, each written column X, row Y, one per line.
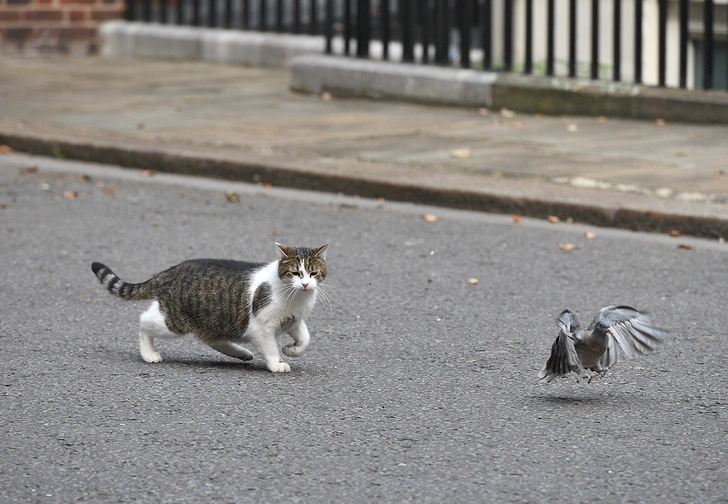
column 296, row 273
column 314, row 273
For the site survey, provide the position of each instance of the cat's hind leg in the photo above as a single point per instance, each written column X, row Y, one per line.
column 301, row 337
column 231, row 349
column 152, row 325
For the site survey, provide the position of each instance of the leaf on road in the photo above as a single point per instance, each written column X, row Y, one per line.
column 516, row 218
column 589, row 235
column 71, row 194
column 29, row 169
column 232, row 197
column 684, row 246
column 6, row 149
column 568, row 246
column 148, row 173
column 553, row 219
column 483, row 111
column 430, row 217
column 84, row 178
column 717, row 173
column 508, row 114
column 659, row 122
column 326, row 96
column 572, row 128
column 683, row 153
column 473, row 281
column 601, row 119
column 463, row 153
column 675, row 233
column 108, row 190
column 518, row 125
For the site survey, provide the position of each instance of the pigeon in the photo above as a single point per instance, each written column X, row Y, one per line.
column 576, row 350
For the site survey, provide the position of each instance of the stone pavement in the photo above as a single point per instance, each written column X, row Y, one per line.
column 244, row 123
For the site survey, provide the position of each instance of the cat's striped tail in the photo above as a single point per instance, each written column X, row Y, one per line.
column 119, row 287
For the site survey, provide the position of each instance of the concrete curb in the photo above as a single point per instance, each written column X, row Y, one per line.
column 316, row 73
column 402, row 186
column 151, row 40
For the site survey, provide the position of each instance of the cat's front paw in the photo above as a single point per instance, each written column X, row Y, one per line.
column 152, row 357
column 279, row 367
column 293, row 350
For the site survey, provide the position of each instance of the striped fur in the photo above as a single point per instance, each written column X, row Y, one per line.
column 118, row 287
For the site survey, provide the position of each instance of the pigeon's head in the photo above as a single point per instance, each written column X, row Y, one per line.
column 603, row 326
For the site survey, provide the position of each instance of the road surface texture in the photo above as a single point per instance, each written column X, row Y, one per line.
column 419, row 386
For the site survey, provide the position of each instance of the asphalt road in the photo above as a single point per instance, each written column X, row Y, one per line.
column 418, row 385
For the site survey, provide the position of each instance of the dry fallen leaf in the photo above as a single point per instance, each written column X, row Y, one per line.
column 518, row 125
column 267, row 185
column 508, row 114
column 232, row 197
column 71, row 194
column 686, row 247
column 84, row 178
column 572, row 128
column 483, row 111
column 430, row 217
column 659, row 122
column 568, row 246
column 6, row 149
column 601, row 119
column 499, row 122
column 462, row 153
column 675, row 233
column 326, row 96
column 473, row 281
column 148, row 173
column 683, row 153
column 516, row 218
column 589, row 235
column 108, row 190
column 717, row 173
column 553, row 219
column 29, row 169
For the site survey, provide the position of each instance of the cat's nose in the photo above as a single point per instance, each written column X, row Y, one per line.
column 305, row 285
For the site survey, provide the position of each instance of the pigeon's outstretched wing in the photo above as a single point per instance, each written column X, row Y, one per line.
column 631, row 330
column 563, row 359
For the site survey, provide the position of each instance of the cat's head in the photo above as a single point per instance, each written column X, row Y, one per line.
column 302, row 268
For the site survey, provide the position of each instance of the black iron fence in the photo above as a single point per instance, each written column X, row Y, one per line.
column 676, row 43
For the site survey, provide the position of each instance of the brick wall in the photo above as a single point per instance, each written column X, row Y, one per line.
column 54, row 26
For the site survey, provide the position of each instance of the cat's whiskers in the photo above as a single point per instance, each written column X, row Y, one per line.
column 325, row 296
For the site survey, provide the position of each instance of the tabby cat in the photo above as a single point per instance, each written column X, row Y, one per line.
column 225, row 302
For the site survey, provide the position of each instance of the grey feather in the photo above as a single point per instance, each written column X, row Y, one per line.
column 597, row 349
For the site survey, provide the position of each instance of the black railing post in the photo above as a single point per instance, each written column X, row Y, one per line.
column 212, row 13
column 363, row 24
column 638, row 41
column 129, row 14
column 196, row 12
column 179, row 12
column 406, row 12
column 422, row 15
column 163, row 11
column 508, row 35
column 550, row 37
column 247, row 17
column 572, row 37
column 442, row 31
column 147, row 11
column 297, row 16
column 662, row 43
column 279, row 16
column 683, row 43
column 329, row 26
column 617, row 41
column 312, row 18
column 465, row 22
column 347, row 27
column 528, row 66
column 262, row 26
column 228, row 19
column 486, row 33
column 708, row 44
column 386, row 24
column 595, row 39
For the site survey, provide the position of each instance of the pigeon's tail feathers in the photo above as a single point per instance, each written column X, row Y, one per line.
column 563, row 359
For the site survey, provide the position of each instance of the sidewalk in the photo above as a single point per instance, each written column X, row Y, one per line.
column 245, row 124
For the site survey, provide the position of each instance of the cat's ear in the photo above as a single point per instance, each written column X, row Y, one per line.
column 285, row 251
column 321, row 251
